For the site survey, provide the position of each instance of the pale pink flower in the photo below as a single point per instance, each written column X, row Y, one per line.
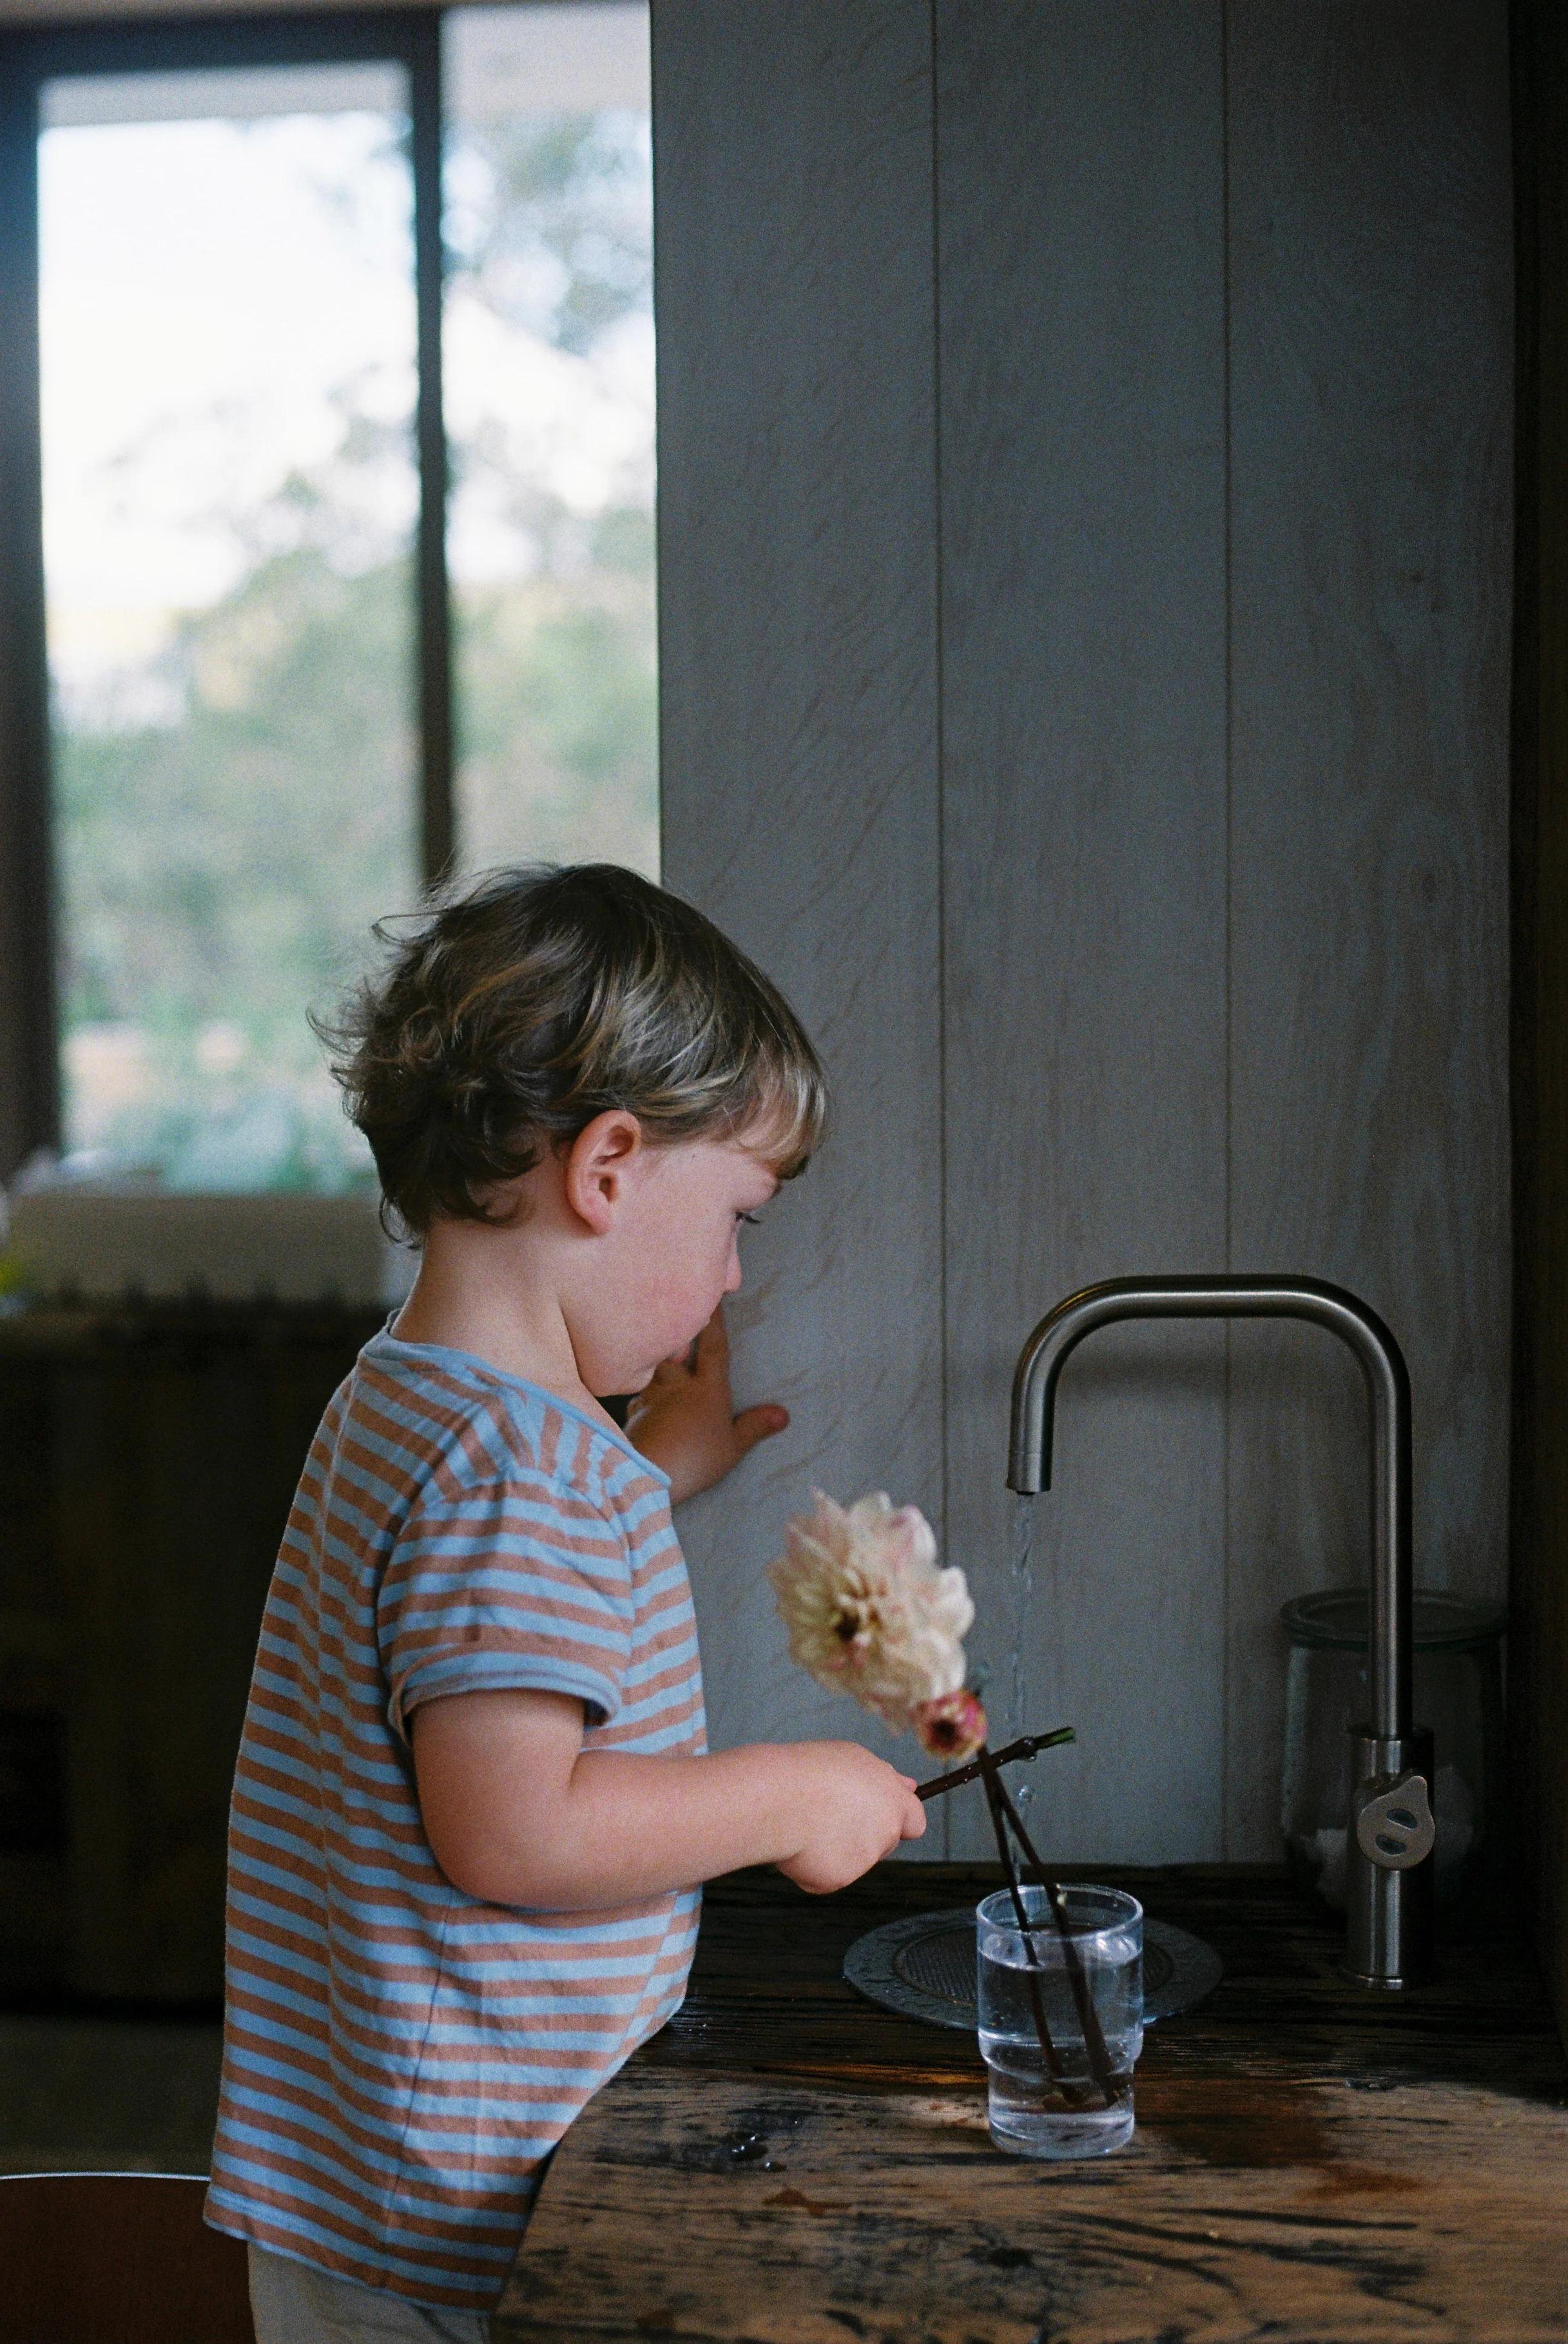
column 952, row 1728
column 868, row 1612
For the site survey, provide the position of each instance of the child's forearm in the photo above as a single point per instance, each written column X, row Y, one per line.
column 518, row 1812
column 628, row 1828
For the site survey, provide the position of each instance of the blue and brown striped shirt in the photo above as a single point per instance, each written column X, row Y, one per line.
column 398, row 2057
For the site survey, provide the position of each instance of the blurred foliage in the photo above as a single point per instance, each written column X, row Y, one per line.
column 558, row 713
column 217, row 871
column 231, row 828
column 551, row 219
column 549, row 224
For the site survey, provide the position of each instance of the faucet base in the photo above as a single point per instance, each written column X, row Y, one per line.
column 1390, row 1876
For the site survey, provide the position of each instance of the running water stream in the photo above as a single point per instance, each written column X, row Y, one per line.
column 1024, row 1625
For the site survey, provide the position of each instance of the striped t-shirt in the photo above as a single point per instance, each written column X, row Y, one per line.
column 398, row 2057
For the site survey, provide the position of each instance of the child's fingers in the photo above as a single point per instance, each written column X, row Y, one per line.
column 713, row 1352
column 754, row 1424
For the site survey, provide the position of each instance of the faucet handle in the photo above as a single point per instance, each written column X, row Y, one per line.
column 1390, row 1879
column 1394, row 1826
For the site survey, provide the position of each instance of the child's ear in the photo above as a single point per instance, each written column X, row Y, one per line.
column 596, row 1165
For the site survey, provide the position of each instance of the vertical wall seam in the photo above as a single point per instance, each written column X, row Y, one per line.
column 940, row 781
column 1225, row 1574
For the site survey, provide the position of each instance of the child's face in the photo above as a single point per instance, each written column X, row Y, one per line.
column 667, row 1258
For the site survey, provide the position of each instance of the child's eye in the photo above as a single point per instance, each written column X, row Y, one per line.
column 750, row 1218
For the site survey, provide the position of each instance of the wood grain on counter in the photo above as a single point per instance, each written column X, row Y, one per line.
column 808, row 2213
column 1311, row 2164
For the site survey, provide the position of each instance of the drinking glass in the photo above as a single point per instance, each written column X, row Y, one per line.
column 1061, row 2019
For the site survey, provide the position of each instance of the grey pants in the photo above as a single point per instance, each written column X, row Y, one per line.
column 296, row 2303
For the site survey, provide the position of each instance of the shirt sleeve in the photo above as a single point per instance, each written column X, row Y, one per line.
column 510, row 1581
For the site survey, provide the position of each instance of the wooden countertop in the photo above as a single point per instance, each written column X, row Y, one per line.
column 1314, row 2164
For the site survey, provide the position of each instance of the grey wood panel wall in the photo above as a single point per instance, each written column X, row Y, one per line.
column 1370, row 364
column 1057, row 406
column 1081, row 286
column 797, row 565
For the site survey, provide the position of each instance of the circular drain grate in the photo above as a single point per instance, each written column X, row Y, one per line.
column 925, row 1968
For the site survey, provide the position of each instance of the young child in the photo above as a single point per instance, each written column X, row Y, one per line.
column 472, row 1807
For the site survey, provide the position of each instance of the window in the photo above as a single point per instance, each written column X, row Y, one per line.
column 269, row 719
column 230, row 491
column 548, row 369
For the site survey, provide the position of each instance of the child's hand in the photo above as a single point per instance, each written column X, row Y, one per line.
column 686, row 1423
column 854, row 1809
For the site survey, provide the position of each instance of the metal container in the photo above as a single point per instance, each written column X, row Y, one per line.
column 1458, row 1694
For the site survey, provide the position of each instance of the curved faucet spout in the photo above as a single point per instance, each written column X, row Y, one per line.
column 1226, row 1297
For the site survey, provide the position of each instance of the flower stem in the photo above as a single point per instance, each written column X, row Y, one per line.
column 1088, row 2016
column 1026, row 1748
column 987, row 1765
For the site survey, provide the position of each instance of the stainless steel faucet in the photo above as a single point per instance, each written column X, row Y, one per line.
column 1388, row 1867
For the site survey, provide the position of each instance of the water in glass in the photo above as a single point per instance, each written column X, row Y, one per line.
column 1052, row 2103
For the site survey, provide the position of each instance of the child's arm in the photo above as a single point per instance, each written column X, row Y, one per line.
column 518, row 1812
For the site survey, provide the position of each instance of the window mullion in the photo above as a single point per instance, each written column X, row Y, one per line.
column 29, row 1077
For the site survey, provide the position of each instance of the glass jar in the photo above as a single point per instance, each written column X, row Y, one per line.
column 1457, row 1693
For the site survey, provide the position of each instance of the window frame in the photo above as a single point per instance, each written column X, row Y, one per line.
column 30, row 1104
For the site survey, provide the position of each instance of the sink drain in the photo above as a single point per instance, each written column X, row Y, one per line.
column 925, row 1968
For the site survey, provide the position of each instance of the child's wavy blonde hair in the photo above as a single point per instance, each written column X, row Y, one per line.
column 518, row 1009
